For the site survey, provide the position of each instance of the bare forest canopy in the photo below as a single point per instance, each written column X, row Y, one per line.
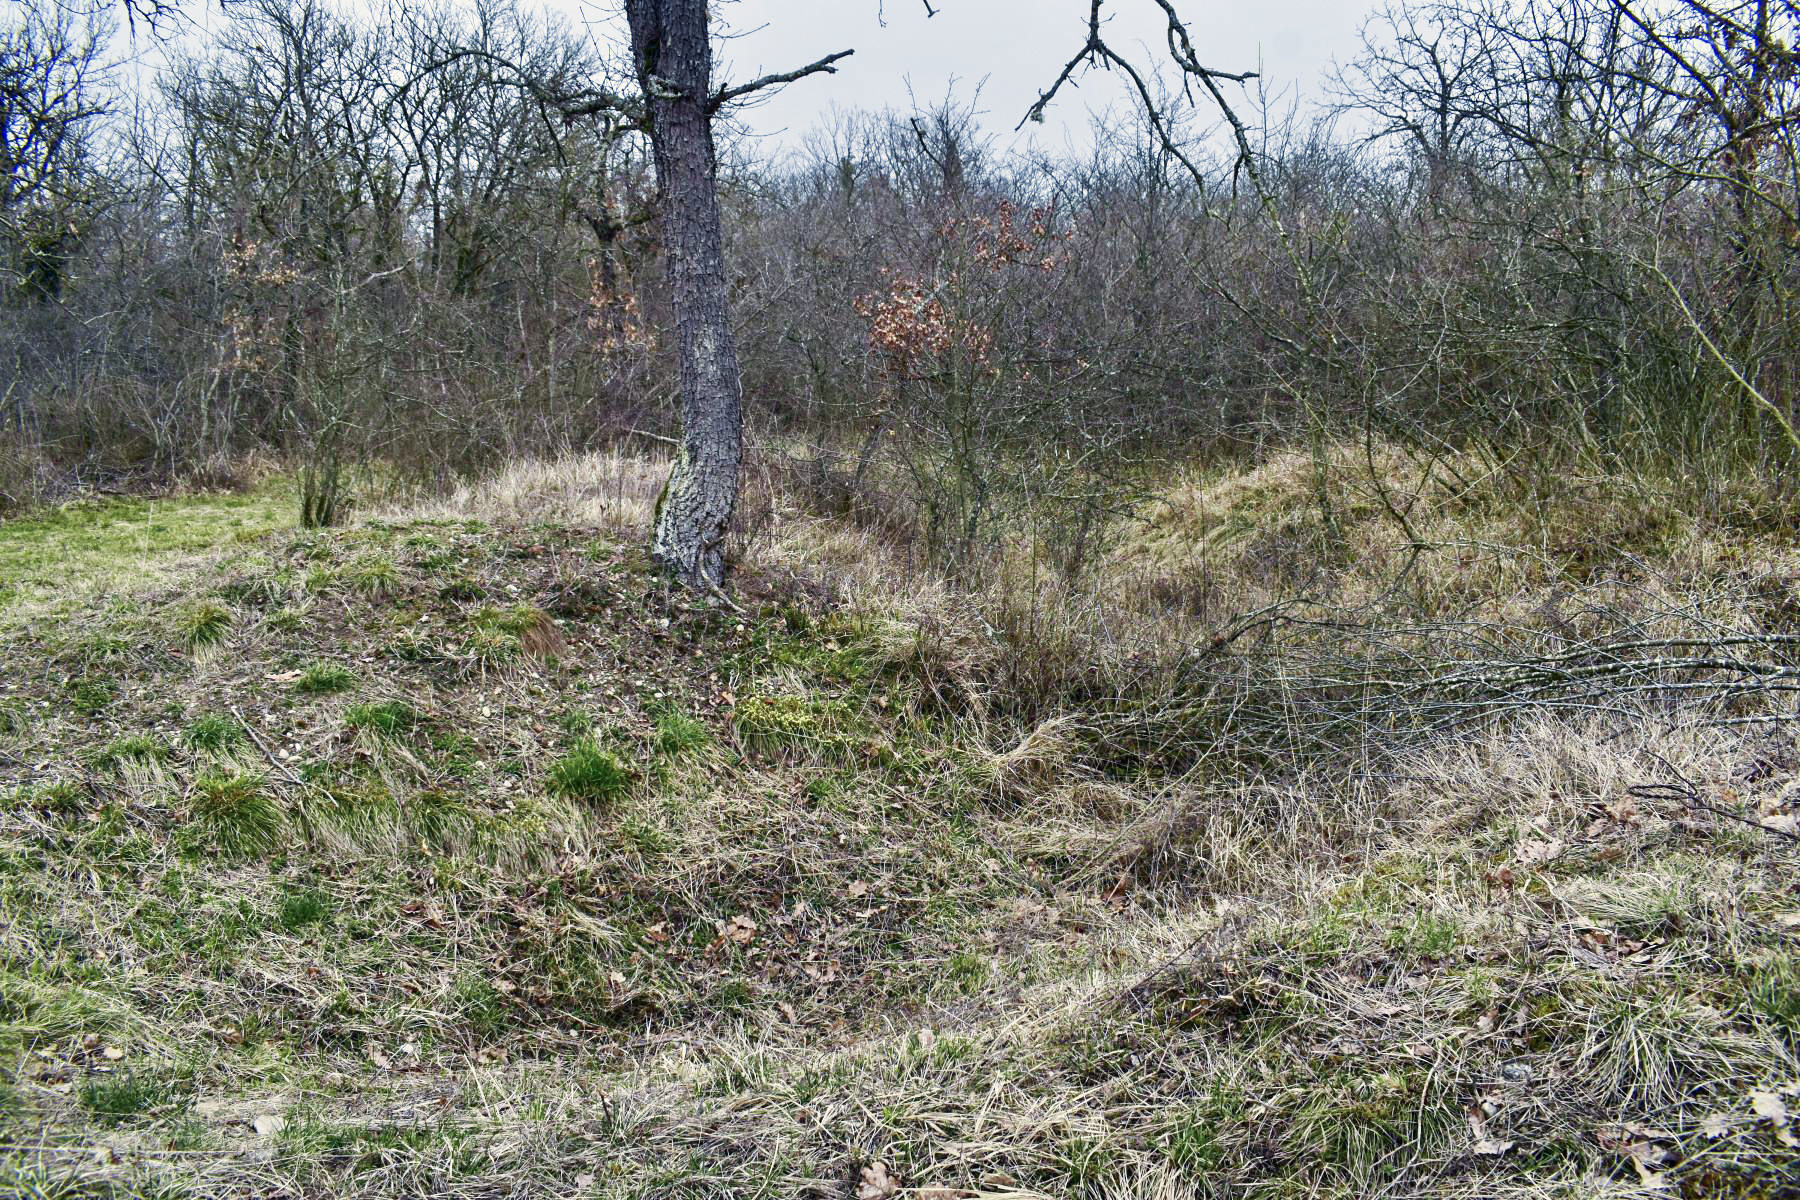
column 416, row 241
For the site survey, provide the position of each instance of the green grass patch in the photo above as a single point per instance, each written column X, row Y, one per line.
column 1427, row 936
column 1194, row 1140
column 590, row 773
column 480, row 1004
column 576, row 722
column 298, row 909
column 140, row 749
column 677, row 733
column 203, row 624
column 793, row 727
column 235, row 815
column 1773, row 990
column 389, row 718
column 324, row 679
column 440, row 816
column 92, row 696
column 60, row 798
column 257, row 589
column 59, row 559
column 515, row 619
column 461, row 591
column 289, row 618
column 212, row 732
column 374, row 576
column 116, row 1099
column 1355, row 1120
column 645, row 838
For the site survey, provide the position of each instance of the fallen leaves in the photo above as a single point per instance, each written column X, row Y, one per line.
column 1538, row 851
column 1769, row 1106
column 1772, row 1107
column 1611, row 943
column 1486, row 1145
column 1650, row 1151
column 398, row 1060
column 876, row 1184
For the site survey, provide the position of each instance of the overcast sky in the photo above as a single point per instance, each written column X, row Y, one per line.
column 1017, row 46
column 1013, row 48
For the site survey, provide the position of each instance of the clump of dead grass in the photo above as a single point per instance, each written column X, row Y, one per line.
column 611, row 490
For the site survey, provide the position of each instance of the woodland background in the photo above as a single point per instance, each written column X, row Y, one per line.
column 1525, row 230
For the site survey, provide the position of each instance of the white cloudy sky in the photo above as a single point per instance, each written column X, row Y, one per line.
column 1015, row 46
column 1012, row 48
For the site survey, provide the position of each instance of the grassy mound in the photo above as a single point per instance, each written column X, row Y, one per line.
column 451, row 855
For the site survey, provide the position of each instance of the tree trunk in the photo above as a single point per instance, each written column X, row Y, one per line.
column 671, row 44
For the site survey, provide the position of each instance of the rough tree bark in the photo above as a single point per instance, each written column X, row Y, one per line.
column 672, row 49
column 672, row 59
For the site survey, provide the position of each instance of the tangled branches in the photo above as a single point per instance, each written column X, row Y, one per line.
column 1295, row 686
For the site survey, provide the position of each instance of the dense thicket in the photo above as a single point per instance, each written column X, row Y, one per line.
column 1525, row 226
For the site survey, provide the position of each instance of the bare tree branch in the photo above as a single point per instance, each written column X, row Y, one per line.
column 1181, row 51
column 823, row 66
column 881, row 12
column 571, row 103
column 1097, row 51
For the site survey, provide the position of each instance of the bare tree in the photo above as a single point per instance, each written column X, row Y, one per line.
column 49, row 106
column 1418, row 76
column 675, row 103
column 671, row 49
column 671, row 46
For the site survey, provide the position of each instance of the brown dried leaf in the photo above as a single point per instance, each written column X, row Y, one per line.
column 1538, row 851
column 1770, row 1107
column 877, row 1184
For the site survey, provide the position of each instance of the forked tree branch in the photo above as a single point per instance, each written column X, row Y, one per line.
column 588, row 102
column 1097, row 51
column 1181, row 51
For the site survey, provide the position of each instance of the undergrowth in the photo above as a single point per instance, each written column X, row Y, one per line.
column 460, row 857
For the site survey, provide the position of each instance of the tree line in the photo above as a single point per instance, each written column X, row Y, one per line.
column 430, row 239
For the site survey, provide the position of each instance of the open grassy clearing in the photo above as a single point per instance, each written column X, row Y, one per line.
column 450, row 855
column 101, row 550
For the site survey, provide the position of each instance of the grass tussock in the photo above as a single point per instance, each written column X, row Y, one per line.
column 587, row 772
column 1287, row 850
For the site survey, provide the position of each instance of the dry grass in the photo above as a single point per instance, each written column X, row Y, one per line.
column 864, row 918
column 610, row 491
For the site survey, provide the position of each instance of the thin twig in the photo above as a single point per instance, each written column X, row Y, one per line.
column 268, row 753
